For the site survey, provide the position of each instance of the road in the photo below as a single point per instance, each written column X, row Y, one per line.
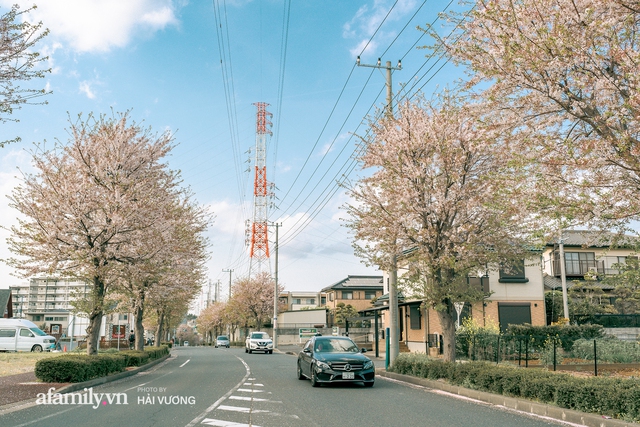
column 200, row 386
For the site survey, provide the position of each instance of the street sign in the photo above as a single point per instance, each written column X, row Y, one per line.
column 307, row 332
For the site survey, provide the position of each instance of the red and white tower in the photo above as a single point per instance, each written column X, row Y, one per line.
column 259, row 242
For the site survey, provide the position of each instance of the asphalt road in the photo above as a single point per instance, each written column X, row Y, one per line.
column 201, row 386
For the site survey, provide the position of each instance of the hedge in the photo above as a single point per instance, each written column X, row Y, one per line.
column 73, row 368
column 614, row 397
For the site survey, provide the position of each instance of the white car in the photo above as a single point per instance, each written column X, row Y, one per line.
column 185, row 344
column 258, row 341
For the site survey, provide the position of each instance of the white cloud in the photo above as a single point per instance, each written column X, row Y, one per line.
column 100, row 25
column 85, row 87
column 367, row 20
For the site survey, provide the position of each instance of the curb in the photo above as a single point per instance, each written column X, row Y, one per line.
column 12, row 407
column 527, row 406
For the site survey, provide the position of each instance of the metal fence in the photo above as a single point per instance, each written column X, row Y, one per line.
column 553, row 352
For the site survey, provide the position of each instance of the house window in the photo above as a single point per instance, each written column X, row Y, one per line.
column 123, row 316
column 414, row 317
column 513, row 273
column 331, row 296
column 369, row 294
column 578, row 263
column 49, row 319
column 297, row 301
column 323, row 300
column 311, row 301
column 347, row 295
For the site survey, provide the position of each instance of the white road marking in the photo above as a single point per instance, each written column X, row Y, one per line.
column 222, row 423
column 188, row 360
column 250, row 390
column 255, row 384
column 217, row 403
column 240, row 409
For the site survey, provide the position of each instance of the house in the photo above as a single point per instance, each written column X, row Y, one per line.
column 358, row 291
column 514, row 296
column 301, row 300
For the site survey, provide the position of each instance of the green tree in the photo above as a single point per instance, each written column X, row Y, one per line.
column 627, row 286
column 342, row 312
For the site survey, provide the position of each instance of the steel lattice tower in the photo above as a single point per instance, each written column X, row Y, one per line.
column 259, row 242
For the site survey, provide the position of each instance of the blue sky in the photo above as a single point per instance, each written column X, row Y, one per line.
column 196, row 68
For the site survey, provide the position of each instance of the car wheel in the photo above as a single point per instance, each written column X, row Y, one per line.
column 368, row 384
column 300, row 374
column 314, row 379
column 37, row 349
column 270, row 351
column 250, row 351
column 245, row 350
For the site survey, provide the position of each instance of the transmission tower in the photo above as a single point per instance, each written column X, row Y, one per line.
column 259, row 242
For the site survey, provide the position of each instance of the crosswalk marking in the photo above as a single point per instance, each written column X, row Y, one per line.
column 250, row 390
column 254, row 384
column 241, row 409
column 254, row 399
column 222, row 423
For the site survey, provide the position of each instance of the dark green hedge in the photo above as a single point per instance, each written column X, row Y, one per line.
column 78, row 367
column 614, row 397
column 73, row 368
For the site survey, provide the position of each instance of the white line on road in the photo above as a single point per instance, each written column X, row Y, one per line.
column 255, row 384
column 222, row 423
column 188, row 360
column 254, row 399
column 217, row 403
column 240, row 409
column 250, row 390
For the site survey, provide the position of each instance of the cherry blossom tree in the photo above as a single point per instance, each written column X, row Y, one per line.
column 444, row 190
column 566, row 73
column 252, row 299
column 82, row 213
column 213, row 319
column 19, row 61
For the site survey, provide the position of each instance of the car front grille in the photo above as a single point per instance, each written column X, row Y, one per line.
column 340, row 366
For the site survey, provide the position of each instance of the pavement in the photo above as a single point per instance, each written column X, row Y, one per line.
column 18, row 391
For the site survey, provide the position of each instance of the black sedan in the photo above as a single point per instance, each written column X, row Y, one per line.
column 329, row 359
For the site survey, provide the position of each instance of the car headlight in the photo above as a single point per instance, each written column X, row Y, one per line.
column 322, row 365
column 368, row 365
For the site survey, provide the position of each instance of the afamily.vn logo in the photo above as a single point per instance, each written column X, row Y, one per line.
column 88, row 397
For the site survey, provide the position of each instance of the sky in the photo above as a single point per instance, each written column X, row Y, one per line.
column 196, row 69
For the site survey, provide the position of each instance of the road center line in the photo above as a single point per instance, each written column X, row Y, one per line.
column 188, row 360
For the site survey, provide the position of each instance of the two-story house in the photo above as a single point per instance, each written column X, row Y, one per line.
column 357, row 291
column 514, row 296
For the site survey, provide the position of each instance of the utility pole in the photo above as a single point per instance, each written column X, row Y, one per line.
column 563, row 278
column 393, row 338
column 230, row 270
column 275, row 291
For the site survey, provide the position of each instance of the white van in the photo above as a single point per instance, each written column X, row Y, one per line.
column 23, row 335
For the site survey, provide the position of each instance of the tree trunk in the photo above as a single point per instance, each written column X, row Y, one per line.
column 160, row 328
column 139, row 313
column 448, row 332
column 95, row 316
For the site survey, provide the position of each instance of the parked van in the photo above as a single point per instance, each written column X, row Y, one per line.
column 23, row 335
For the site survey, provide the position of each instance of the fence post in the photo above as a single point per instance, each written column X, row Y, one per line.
column 526, row 354
column 498, row 351
column 554, row 353
column 595, row 359
column 519, row 350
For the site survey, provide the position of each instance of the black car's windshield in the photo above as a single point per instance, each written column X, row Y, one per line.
column 335, row 346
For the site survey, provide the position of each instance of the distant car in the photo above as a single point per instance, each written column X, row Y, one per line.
column 329, row 359
column 185, row 344
column 258, row 341
column 222, row 341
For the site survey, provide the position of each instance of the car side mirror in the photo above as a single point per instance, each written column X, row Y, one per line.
column 363, row 350
column 306, row 350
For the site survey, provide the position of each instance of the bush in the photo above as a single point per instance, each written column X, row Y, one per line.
column 77, row 368
column 567, row 333
column 609, row 349
column 619, row 398
column 73, row 368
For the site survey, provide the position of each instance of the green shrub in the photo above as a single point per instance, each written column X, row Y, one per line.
column 609, row 349
column 78, row 368
column 615, row 397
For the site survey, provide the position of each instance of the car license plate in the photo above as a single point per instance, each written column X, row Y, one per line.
column 348, row 376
